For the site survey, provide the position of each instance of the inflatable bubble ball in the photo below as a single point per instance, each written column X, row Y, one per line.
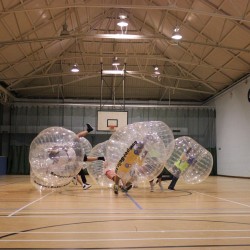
column 55, row 154
column 139, row 151
column 190, row 161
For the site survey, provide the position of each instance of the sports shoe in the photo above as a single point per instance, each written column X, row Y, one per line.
column 89, row 128
column 171, row 189
column 86, row 186
column 116, row 189
column 127, row 187
column 123, row 189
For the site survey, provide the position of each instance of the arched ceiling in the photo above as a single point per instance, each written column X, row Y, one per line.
column 36, row 58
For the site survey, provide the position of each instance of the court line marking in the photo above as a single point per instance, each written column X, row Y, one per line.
column 132, row 231
column 128, row 239
column 134, row 201
column 223, row 199
column 20, row 209
column 129, row 216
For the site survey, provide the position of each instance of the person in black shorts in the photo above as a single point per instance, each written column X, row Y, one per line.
column 81, row 178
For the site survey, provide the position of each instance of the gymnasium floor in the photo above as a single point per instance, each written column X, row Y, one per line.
column 212, row 215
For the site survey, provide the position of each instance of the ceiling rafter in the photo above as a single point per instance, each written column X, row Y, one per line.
column 39, row 51
column 204, row 58
column 235, row 22
column 169, row 87
column 152, row 57
column 100, row 37
column 98, row 74
column 132, row 6
column 36, row 64
column 179, row 66
column 208, row 39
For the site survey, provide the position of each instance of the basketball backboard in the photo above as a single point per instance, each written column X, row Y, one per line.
column 107, row 119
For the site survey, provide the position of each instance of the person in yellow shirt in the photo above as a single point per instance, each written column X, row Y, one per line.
column 185, row 160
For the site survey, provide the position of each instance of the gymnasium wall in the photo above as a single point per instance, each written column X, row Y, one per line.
column 233, row 130
column 20, row 123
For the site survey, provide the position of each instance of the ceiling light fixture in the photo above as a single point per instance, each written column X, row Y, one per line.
column 115, row 62
column 64, row 31
column 75, row 68
column 156, row 72
column 123, row 24
column 176, row 35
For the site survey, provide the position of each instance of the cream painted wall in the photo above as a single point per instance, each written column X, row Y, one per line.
column 233, row 130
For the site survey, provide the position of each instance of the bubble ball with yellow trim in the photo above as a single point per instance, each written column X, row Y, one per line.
column 136, row 152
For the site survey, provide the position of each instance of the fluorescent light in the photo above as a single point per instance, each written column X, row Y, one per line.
column 119, row 36
column 113, row 72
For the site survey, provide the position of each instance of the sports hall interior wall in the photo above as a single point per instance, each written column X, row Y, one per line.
column 21, row 123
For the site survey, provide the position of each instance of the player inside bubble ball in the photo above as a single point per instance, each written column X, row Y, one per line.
column 127, row 167
column 57, row 151
column 118, row 183
column 186, row 159
column 81, row 177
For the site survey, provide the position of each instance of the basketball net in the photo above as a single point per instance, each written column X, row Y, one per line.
column 112, row 128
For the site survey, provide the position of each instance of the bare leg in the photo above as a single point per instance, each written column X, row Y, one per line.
column 151, row 185
column 116, row 185
column 82, row 133
column 161, row 187
column 78, row 178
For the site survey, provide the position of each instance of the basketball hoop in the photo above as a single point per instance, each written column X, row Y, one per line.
column 112, row 128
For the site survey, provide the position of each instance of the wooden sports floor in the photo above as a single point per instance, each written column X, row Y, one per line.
column 212, row 215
